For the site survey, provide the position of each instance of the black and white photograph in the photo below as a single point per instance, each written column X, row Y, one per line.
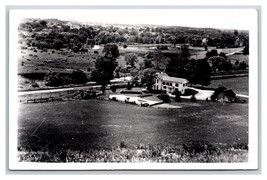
column 133, row 88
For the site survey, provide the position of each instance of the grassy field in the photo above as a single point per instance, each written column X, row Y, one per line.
column 59, row 61
column 97, row 123
column 198, row 53
column 239, row 57
column 239, row 85
column 65, row 61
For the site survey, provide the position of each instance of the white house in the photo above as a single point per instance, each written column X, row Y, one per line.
column 170, row 84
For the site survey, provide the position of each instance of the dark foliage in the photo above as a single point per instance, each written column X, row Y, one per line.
column 111, row 51
column 113, row 88
column 78, row 77
column 91, row 35
column 148, row 78
column 164, row 97
column 103, row 72
column 211, row 53
column 193, row 98
column 129, row 86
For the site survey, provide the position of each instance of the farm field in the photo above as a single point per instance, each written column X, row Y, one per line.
column 65, row 61
column 99, row 123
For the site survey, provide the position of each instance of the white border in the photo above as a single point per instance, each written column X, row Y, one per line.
column 253, row 117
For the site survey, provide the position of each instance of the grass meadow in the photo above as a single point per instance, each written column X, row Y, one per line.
column 99, row 125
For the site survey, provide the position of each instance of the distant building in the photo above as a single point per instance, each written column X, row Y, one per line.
column 170, row 84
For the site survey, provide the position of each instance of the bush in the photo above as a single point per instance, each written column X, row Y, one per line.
column 193, row 99
column 177, row 98
column 129, row 86
column 164, row 97
column 79, row 77
column 124, row 46
column 114, row 99
column 113, row 88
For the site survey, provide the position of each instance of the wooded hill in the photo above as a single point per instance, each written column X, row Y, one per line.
column 57, row 34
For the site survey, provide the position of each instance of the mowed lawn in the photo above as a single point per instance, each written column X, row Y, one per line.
column 99, row 123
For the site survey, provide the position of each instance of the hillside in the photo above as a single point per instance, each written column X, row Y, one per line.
column 56, row 34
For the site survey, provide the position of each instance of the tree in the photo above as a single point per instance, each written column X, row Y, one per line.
column 111, row 51
column 57, row 44
column 173, row 40
column 236, row 32
column 148, row 78
column 211, row 53
column 220, row 64
column 148, row 64
column 43, row 23
column 185, row 52
column 190, row 70
column 246, row 50
column 203, row 72
column 158, row 56
column 242, row 65
column 79, row 77
column 56, row 79
column 131, row 59
column 175, row 67
column 117, row 71
column 103, row 72
column 222, row 54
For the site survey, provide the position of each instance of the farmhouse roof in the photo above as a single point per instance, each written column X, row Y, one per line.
column 165, row 77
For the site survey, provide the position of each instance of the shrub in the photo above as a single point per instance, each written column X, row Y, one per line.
column 177, row 98
column 113, row 88
column 95, row 52
column 129, row 86
column 78, row 77
column 193, row 99
column 164, row 97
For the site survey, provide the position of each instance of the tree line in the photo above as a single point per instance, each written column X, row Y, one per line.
column 58, row 34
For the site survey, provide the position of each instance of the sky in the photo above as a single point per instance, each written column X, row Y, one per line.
column 211, row 18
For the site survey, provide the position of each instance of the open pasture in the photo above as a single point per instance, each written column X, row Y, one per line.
column 99, row 123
